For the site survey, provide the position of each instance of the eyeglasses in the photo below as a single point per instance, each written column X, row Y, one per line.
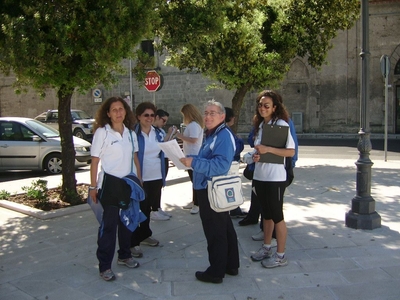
column 165, row 121
column 148, row 115
column 211, row 113
column 265, row 105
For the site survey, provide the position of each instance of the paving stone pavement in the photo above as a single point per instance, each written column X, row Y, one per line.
column 56, row 258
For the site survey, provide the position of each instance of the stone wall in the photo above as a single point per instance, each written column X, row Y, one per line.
column 328, row 99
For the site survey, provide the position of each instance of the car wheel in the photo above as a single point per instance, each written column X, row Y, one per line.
column 53, row 164
column 80, row 134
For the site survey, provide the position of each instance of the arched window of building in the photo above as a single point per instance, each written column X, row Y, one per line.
column 397, row 68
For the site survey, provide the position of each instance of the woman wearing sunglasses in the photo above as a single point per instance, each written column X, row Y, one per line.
column 269, row 177
column 160, row 121
column 152, row 165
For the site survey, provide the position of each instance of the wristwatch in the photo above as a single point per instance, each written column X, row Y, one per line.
column 92, row 188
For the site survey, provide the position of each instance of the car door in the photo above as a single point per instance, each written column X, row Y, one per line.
column 17, row 148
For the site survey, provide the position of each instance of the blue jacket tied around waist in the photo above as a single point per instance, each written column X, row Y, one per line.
column 133, row 216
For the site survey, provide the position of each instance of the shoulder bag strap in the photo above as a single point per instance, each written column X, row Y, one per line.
column 133, row 150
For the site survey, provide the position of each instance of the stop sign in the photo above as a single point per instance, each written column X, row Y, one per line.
column 152, row 81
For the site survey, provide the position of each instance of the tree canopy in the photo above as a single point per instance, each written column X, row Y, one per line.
column 248, row 45
column 70, row 45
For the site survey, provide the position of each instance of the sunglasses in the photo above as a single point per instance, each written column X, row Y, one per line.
column 265, row 105
column 148, row 115
column 165, row 121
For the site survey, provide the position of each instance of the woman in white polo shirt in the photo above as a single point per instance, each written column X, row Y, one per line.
column 192, row 138
column 114, row 147
column 270, row 177
column 152, row 165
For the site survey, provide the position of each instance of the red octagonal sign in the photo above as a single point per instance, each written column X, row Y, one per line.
column 152, row 81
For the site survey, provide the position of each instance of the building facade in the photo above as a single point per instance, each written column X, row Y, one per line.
column 320, row 101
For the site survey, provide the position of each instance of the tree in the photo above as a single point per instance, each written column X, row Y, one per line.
column 70, row 45
column 250, row 44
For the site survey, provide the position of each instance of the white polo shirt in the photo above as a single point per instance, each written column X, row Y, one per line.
column 114, row 151
column 268, row 171
column 151, row 159
column 193, row 130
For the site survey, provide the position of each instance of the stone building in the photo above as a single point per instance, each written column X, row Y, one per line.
column 325, row 100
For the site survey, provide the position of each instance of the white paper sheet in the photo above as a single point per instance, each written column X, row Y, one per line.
column 174, row 153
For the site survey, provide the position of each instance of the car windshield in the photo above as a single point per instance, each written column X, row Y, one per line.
column 79, row 115
column 43, row 129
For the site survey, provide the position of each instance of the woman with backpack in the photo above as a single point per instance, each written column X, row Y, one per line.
column 270, row 176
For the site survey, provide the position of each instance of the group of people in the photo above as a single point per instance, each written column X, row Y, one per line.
column 121, row 146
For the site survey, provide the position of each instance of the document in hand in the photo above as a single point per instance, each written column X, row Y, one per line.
column 274, row 136
column 96, row 207
column 174, row 153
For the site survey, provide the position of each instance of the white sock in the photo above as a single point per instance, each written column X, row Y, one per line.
column 280, row 255
column 267, row 246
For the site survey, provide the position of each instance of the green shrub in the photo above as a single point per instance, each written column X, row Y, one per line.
column 38, row 191
column 4, row 195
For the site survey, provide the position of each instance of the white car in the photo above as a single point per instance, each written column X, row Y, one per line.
column 28, row 144
column 82, row 123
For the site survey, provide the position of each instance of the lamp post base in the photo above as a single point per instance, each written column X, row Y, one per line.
column 358, row 221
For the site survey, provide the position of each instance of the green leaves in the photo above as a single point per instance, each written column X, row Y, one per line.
column 251, row 41
column 74, row 43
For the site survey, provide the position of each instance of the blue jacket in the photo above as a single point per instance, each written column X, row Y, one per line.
column 215, row 157
column 250, row 140
column 133, row 216
column 141, row 143
column 239, row 145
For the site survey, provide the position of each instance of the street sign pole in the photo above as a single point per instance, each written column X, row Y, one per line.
column 385, row 68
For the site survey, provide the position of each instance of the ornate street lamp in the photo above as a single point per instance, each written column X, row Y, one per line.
column 362, row 214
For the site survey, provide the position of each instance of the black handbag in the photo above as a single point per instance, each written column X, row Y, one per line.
column 115, row 192
column 289, row 171
column 248, row 172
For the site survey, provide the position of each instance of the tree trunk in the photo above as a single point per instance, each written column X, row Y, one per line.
column 68, row 193
column 237, row 102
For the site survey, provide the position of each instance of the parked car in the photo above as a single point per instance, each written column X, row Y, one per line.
column 27, row 144
column 82, row 123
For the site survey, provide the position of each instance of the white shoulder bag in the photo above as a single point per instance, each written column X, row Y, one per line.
column 225, row 192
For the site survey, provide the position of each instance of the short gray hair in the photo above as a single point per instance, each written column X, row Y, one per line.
column 216, row 103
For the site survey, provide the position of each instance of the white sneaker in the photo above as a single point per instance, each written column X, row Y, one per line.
column 188, row 206
column 258, row 236
column 137, row 251
column 194, row 210
column 157, row 216
column 164, row 213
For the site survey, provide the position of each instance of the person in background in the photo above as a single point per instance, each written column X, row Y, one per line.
column 254, row 212
column 214, row 159
column 229, row 121
column 270, row 178
column 152, row 165
column 115, row 147
column 192, row 138
column 160, row 121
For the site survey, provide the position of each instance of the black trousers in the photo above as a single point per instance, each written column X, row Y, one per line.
column 194, row 195
column 222, row 245
column 153, row 195
column 106, row 238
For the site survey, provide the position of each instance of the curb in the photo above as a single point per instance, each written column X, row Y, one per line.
column 40, row 214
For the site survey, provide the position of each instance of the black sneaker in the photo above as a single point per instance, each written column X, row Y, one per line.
column 237, row 213
column 247, row 221
column 203, row 276
column 232, row 272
